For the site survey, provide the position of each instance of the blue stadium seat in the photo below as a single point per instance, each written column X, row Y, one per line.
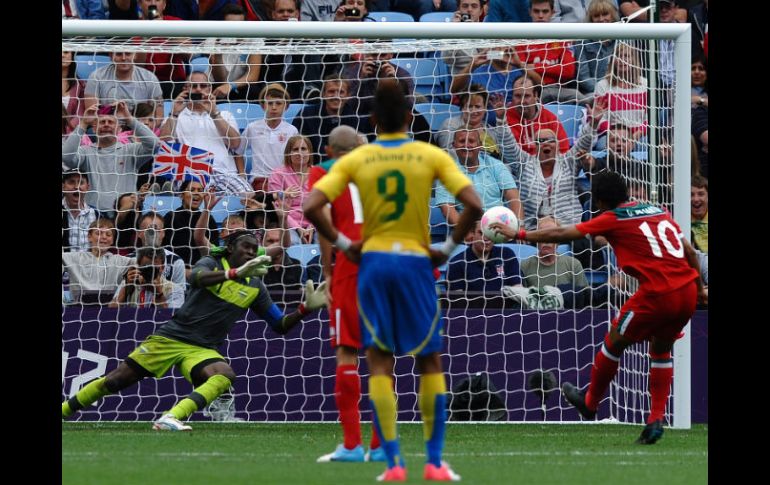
column 437, row 17
column 436, row 113
column 438, row 225
column 226, row 206
column 199, row 64
column 303, row 252
column 429, row 75
column 244, row 113
column 522, row 251
column 292, row 111
column 88, row 63
column 564, row 249
column 161, row 204
column 391, row 17
column 571, row 117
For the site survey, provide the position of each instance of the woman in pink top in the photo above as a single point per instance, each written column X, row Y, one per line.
column 72, row 90
column 289, row 183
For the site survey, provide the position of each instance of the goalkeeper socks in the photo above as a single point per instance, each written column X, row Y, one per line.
column 383, row 400
column 603, row 371
column 347, row 393
column 432, row 402
column 201, row 396
column 92, row 392
column 661, row 375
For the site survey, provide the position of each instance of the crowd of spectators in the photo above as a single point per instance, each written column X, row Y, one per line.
column 116, row 249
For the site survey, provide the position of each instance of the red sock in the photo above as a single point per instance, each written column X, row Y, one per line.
column 661, row 375
column 347, row 393
column 602, row 373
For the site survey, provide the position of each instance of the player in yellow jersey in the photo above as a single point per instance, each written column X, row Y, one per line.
column 397, row 298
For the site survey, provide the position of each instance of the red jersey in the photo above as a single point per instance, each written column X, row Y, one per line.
column 525, row 131
column 347, row 217
column 648, row 245
column 554, row 61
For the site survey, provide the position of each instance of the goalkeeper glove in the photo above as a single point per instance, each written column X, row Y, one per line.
column 253, row 267
column 314, row 299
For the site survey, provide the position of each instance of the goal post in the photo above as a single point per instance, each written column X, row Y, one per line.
column 96, row 36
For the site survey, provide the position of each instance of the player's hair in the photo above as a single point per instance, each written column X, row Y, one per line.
column 233, row 237
column 391, row 107
column 700, row 182
column 609, row 188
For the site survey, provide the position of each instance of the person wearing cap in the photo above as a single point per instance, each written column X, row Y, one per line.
column 76, row 214
column 267, row 138
column 223, row 288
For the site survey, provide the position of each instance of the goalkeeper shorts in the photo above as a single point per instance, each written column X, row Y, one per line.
column 158, row 354
column 646, row 315
column 398, row 304
column 344, row 322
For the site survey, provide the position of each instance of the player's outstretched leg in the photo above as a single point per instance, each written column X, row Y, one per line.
column 117, row 380
column 198, row 399
column 383, row 400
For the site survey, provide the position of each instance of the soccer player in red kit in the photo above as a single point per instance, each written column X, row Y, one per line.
column 650, row 246
column 344, row 330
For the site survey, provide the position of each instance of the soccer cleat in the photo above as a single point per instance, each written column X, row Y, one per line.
column 376, row 454
column 344, row 454
column 395, row 474
column 577, row 399
column 440, row 474
column 651, row 433
column 168, row 422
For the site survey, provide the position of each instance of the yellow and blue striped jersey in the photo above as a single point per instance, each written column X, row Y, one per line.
column 394, row 176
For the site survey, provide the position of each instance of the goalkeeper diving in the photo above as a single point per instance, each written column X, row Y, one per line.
column 223, row 287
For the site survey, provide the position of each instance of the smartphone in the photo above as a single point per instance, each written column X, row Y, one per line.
column 495, row 55
column 352, row 12
column 106, row 109
column 465, row 17
column 196, row 96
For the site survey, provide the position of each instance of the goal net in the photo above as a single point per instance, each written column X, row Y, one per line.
column 495, row 99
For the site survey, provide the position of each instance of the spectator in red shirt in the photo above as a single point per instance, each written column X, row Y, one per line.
column 526, row 116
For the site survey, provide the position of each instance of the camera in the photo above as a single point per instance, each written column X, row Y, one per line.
column 465, row 17
column 152, row 238
column 352, row 12
column 106, row 109
column 152, row 12
column 196, row 96
column 148, row 273
column 495, row 55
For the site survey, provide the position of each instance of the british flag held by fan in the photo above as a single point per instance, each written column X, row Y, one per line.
column 179, row 162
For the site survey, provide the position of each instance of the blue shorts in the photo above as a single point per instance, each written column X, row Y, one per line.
column 398, row 304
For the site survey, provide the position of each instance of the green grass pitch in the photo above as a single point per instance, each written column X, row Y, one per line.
column 260, row 453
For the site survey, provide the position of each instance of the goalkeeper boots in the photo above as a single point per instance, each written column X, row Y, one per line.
column 578, row 400
column 343, row 454
column 168, row 422
column 651, row 433
column 395, row 474
column 376, row 454
column 440, row 474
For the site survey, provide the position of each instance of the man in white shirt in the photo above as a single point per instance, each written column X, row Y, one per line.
column 196, row 121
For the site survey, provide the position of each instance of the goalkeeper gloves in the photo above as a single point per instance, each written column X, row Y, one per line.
column 253, row 267
column 315, row 298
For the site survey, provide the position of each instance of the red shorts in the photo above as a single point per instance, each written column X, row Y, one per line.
column 344, row 327
column 646, row 315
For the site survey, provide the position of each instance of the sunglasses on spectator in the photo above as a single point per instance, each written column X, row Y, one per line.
column 200, row 85
column 106, row 109
column 545, row 140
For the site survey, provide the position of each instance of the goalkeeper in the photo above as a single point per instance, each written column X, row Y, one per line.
column 223, row 288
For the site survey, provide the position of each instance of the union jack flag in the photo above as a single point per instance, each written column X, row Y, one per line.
column 177, row 161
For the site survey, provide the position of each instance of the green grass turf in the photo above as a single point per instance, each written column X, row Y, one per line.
column 258, row 453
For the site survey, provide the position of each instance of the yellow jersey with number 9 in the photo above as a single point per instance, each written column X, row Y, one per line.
column 394, row 176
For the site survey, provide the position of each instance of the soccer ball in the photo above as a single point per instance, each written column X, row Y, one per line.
column 500, row 214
